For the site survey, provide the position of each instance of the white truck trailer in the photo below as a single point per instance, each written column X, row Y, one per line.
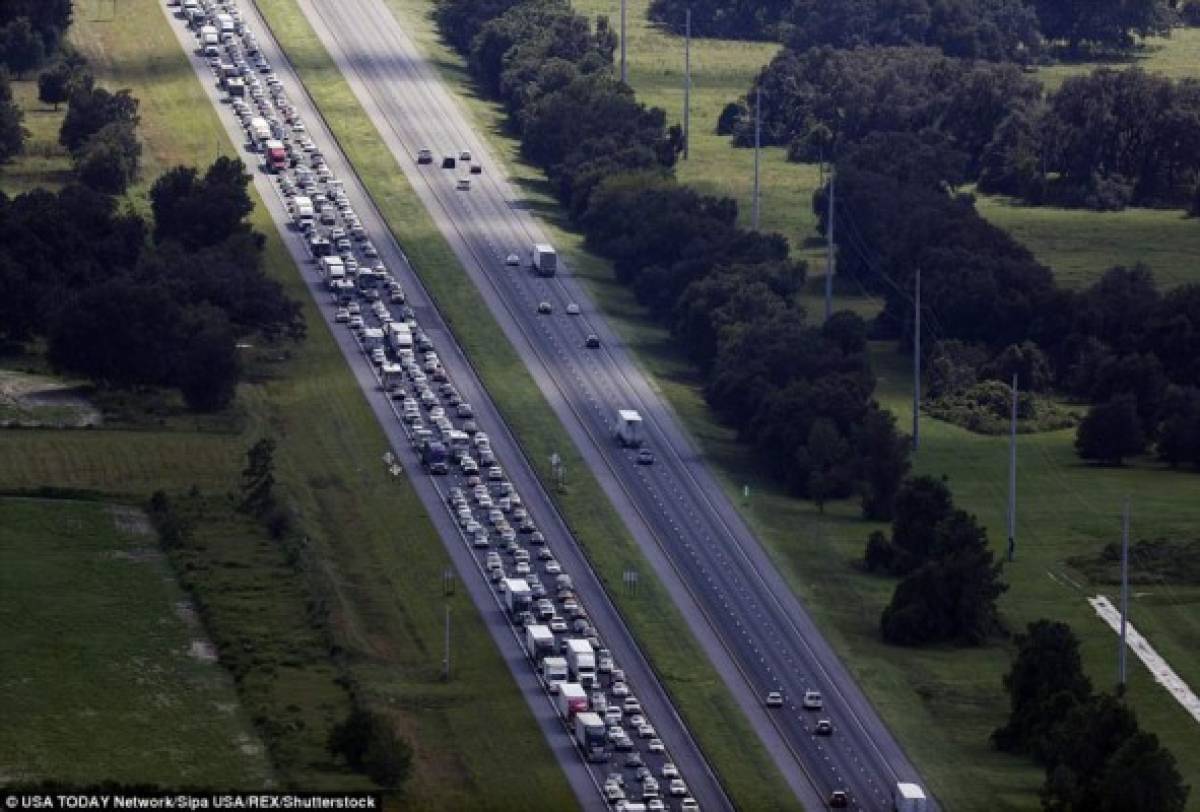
column 539, row 640
column 909, row 797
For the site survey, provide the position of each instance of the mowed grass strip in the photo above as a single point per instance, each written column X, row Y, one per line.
column 376, row 560
column 103, row 667
column 956, row 693
column 704, row 701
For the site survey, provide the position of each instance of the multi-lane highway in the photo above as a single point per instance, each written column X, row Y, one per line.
column 750, row 623
column 586, row 779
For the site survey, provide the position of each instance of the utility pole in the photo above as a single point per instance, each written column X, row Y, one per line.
column 917, row 365
column 687, row 83
column 624, row 73
column 1124, row 595
column 446, row 658
column 830, row 250
column 757, row 149
column 1012, row 475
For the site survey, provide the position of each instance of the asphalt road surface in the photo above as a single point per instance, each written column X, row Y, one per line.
column 583, row 778
column 749, row 622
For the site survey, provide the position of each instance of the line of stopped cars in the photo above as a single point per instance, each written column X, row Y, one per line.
column 592, row 694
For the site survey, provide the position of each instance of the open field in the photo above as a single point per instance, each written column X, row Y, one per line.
column 126, row 691
column 700, row 695
column 1066, row 508
column 376, row 563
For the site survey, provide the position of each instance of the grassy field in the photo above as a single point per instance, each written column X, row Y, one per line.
column 124, row 692
column 1066, row 508
column 376, row 562
column 700, row 695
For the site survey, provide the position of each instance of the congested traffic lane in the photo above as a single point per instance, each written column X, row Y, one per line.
column 766, row 641
column 602, row 614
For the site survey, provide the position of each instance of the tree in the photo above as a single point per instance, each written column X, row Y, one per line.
column 369, row 745
column 1111, row 432
column 1142, row 774
column 922, row 504
column 198, row 212
column 882, row 453
column 825, row 456
column 1078, row 752
column 1179, row 432
column 21, row 48
column 952, row 597
column 1045, row 682
column 1104, row 22
column 54, row 84
column 209, row 367
column 108, row 161
column 258, row 478
column 12, row 134
column 90, row 109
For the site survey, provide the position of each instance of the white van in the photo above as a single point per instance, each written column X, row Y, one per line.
column 210, row 41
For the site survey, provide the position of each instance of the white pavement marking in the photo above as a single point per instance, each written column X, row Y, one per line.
column 1163, row 674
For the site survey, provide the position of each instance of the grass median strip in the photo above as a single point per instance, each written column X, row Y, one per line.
column 371, row 598
column 702, row 698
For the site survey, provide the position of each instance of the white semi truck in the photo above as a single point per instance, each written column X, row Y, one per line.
column 539, row 640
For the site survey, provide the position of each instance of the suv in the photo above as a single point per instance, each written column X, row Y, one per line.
column 424, row 156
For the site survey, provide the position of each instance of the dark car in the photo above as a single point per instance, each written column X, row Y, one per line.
column 592, row 342
column 838, row 799
column 645, row 457
column 824, row 727
column 476, row 169
column 448, row 162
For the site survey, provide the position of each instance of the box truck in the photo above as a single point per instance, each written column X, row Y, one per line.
column 545, row 261
column 277, row 159
column 572, row 699
column 302, row 212
column 540, row 641
column 260, row 131
column 589, row 733
column 581, row 659
column 518, row 597
column 628, row 428
column 554, row 672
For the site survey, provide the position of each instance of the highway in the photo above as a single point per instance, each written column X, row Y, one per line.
column 584, row 778
column 750, row 623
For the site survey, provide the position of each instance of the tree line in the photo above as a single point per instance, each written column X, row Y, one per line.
column 1103, row 140
column 799, row 391
column 998, row 30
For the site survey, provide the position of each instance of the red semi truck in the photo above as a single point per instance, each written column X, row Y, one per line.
column 277, row 159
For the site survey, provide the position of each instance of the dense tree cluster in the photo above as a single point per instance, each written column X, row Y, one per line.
column 100, row 130
column 1103, row 140
column 951, row 580
column 800, row 392
column 31, row 30
column 82, row 275
column 1094, row 754
column 1011, row 30
column 993, row 309
column 825, row 100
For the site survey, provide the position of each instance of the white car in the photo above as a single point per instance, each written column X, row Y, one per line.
column 646, row 731
column 669, row 770
column 689, row 805
column 619, row 690
column 656, row 746
column 342, row 315
column 677, row 787
column 812, row 700
column 512, row 260
column 553, row 567
column 572, row 309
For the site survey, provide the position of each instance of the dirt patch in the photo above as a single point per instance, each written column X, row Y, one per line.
column 203, row 651
column 130, row 520
column 33, row 401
